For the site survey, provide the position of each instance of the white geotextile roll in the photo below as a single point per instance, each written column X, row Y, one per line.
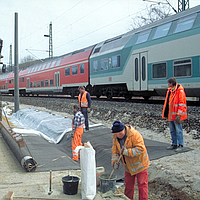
column 88, row 172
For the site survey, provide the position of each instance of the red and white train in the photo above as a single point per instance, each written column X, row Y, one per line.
column 60, row 75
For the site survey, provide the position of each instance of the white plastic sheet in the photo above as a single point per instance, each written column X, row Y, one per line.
column 51, row 127
column 88, row 172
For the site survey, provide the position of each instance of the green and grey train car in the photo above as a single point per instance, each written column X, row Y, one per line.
column 139, row 63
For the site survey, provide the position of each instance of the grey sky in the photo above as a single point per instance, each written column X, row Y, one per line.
column 76, row 23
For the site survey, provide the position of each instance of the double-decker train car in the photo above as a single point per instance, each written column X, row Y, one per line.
column 60, row 75
column 140, row 62
column 137, row 63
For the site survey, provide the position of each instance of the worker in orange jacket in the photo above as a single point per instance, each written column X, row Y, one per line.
column 175, row 110
column 77, row 131
column 85, row 104
column 129, row 147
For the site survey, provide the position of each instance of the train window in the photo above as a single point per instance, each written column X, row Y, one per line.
column 183, row 68
column 32, row 69
column 42, row 83
column 58, row 62
column 95, row 66
column 74, row 70
column 39, row 67
column 159, row 70
column 143, row 37
column 53, row 63
column 162, row 31
column 43, row 66
column 185, row 23
column 104, row 64
column 47, row 66
column 38, row 83
column 97, row 50
column 143, row 68
column 82, row 69
column 51, row 82
column 136, row 69
column 31, row 84
column 35, row 69
column 67, row 71
column 34, row 84
column 9, row 81
column 46, row 83
column 115, row 61
column 22, row 80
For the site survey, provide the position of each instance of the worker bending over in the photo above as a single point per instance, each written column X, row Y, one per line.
column 129, row 145
column 77, row 131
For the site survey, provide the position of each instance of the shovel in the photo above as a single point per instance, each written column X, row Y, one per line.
column 114, row 169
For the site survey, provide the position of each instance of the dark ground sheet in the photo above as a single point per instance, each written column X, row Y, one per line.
column 58, row 156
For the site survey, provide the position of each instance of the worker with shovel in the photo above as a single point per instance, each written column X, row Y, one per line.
column 129, row 148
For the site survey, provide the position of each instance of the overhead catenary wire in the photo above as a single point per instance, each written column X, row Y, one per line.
column 74, row 21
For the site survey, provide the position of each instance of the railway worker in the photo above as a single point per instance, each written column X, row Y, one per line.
column 175, row 110
column 85, row 104
column 129, row 148
column 77, row 131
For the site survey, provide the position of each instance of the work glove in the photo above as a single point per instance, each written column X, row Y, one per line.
column 116, row 165
column 178, row 119
column 124, row 151
column 72, row 133
column 88, row 110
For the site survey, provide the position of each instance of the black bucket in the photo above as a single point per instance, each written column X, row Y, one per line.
column 107, row 184
column 70, row 185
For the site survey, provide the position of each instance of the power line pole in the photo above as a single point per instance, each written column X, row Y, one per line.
column 183, row 5
column 50, row 41
column 16, row 65
column 10, row 60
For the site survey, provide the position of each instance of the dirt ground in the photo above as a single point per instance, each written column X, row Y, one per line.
column 172, row 177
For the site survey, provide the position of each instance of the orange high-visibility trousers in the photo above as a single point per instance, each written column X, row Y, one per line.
column 76, row 141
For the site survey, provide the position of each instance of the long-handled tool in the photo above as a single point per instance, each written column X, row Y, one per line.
column 50, row 178
column 117, row 161
column 114, row 169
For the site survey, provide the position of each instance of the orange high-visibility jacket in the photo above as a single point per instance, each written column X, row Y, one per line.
column 83, row 101
column 138, row 159
column 175, row 103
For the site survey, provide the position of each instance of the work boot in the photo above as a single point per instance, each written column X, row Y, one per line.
column 179, row 148
column 172, row 147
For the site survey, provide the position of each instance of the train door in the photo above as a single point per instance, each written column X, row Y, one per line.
column 140, row 71
column 28, row 82
column 6, row 85
column 57, row 79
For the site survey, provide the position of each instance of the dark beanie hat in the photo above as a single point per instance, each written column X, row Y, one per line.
column 117, row 127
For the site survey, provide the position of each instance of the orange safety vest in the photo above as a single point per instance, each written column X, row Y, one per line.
column 138, row 159
column 83, row 101
column 176, row 102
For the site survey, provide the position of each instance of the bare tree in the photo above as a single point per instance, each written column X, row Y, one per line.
column 27, row 59
column 153, row 13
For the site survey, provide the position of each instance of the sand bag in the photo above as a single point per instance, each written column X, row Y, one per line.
column 88, row 171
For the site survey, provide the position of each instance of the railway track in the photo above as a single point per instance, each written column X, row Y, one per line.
column 153, row 100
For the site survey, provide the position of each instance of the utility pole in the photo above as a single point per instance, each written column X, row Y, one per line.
column 10, row 60
column 183, row 5
column 16, row 66
column 50, row 41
